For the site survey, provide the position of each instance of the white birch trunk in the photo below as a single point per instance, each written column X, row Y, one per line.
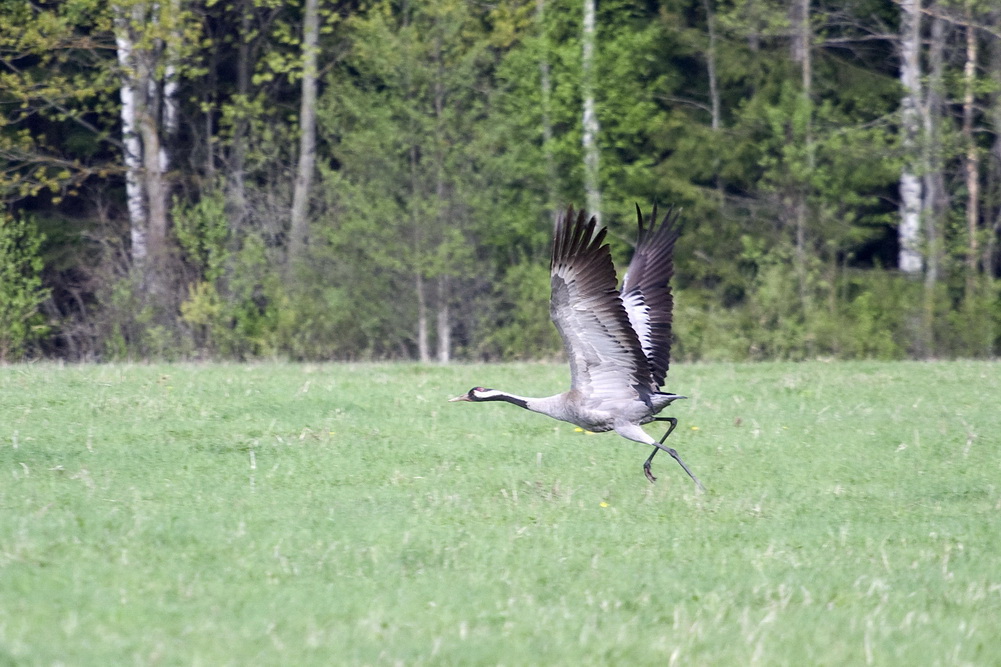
column 423, row 349
column 972, row 160
column 145, row 156
column 131, row 101
column 444, row 323
column 299, row 227
column 911, row 193
column 590, row 116
column 991, row 264
column 171, row 110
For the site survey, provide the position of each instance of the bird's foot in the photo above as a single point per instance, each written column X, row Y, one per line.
column 649, row 475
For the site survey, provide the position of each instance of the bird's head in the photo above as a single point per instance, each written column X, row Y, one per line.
column 476, row 394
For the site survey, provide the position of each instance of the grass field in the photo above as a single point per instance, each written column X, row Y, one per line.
column 347, row 514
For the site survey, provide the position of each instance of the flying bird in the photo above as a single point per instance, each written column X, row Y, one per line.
column 618, row 342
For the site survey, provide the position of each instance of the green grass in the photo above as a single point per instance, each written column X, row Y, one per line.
column 347, row 514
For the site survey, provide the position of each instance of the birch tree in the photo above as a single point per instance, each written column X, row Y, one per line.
column 909, row 230
column 991, row 258
column 299, row 225
column 972, row 160
column 590, row 125
column 935, row 202
column 148, row 38
column 132, row 93
column 802, row 36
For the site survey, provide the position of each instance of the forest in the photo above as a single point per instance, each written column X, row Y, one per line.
column 378, row 179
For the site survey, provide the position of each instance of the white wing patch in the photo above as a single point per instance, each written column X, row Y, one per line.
column 639, row 318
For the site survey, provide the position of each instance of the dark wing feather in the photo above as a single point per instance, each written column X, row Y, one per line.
column 646, row 290
column 606, row 360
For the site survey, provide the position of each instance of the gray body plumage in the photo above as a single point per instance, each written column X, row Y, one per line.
column 618, row 342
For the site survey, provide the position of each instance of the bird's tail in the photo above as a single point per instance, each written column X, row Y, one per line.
column 665, row 399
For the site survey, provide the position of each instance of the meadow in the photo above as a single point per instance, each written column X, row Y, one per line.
column 271, row 513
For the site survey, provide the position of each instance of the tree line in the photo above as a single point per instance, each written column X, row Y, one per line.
column 368, row 179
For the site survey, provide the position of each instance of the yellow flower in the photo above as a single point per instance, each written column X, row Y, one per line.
column 695, row 428
column 603, row 504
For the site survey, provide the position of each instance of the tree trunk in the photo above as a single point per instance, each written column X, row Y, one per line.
column 590, row 115
column 972, row 160
column 155, row 186
column 209, row 104
column 132, row 97
column 423, row 349
column 799, row 22
column 715, row 104
column 936, row 199
column 444, row 322
column 753, row 36
column 545, row 94
column 171, row 108
column 911, row 195
column 236, row 194
column 714, row 101
column 799, row 15
column 143, row 111
column 299, row 226
column 991, row 260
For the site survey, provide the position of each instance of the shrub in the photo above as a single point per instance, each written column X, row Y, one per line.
column 21, row 290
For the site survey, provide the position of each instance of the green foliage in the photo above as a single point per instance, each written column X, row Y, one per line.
column 222, row 307
column 243, row 314
column 974, row 326
column 307, row 514
column 202, row 230
column 409, row 130
column 871, row 322
column 60, row 83
column 521, row 328
column 838, row 314
column 449, row 134
column 134, row 323
column 21, row 289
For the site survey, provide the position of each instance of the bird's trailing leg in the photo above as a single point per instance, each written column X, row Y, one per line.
column 646, row 465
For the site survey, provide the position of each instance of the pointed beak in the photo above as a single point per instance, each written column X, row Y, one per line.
column 464, row 397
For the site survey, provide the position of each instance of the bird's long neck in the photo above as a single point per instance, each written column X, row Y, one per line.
column 514, row 399
column 549, row 405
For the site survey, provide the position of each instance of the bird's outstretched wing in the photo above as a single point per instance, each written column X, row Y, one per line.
column 646, row 290
column 606, row 360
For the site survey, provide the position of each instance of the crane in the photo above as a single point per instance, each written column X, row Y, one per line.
column 618, row 343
